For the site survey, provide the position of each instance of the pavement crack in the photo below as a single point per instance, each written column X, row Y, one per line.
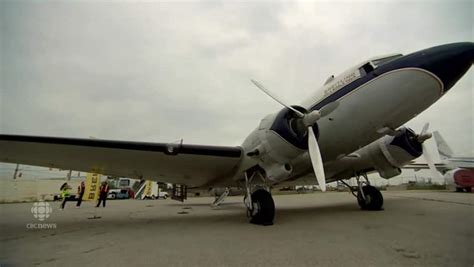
column 13, row 238
column 436, row 200
column 91, row 250
column 45, row 261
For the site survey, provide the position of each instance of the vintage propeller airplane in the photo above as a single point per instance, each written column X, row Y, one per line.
column 347, row 128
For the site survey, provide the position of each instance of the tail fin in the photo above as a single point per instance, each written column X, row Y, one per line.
column 444, row 150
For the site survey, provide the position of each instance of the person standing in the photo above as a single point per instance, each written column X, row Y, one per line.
column 65, row 194
column 103, row 192
column 80, row 193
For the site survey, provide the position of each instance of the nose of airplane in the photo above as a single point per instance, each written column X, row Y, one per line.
column 449, row 62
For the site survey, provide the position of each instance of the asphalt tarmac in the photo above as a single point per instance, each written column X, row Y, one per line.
column 416, row 228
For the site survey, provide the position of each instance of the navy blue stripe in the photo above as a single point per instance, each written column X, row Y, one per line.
column 171, row 149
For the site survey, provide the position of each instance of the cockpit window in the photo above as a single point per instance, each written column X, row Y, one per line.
column 381, row 61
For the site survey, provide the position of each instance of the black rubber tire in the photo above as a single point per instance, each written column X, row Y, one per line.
column 373, row 199
column 468, row 189
column 264, row 214
column 459, row 189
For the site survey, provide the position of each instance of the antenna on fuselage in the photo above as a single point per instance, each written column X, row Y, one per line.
column 330, row 78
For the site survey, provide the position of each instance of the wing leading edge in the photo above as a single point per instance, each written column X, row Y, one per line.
column 193, row 165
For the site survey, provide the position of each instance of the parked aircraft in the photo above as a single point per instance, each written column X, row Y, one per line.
column 458, row 171
column 347, row 128
column 446, row 154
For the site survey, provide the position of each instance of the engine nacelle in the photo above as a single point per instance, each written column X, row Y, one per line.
column 277, row 173
column 389, row 153
column 460, row 177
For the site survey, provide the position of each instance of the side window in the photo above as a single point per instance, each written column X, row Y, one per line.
column 124, row 182
column 367, row 68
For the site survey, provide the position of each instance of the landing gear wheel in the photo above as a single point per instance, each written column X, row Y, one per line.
column 263, row 208
column 373, row 198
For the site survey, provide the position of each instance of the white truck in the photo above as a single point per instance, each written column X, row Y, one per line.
column 151, row 190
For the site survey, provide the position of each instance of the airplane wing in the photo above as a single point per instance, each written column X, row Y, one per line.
column 192, row 165
column 420, row 166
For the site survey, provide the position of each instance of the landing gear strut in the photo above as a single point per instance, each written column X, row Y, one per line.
column 368, row 197
column 260, row 205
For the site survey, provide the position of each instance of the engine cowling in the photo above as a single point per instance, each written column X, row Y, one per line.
column 389, row 153
column 286, row 124
column 278, row 141
column 279, row 172
column 460, row 177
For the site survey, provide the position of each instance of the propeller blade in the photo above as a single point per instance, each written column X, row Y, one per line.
column 430, row 162
column 266, row 91
column 316, row 160
column 424, row 135
column 326, row 110
column 425, row 128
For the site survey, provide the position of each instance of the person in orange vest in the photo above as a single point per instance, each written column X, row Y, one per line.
column 103, row 192
column 80, row 193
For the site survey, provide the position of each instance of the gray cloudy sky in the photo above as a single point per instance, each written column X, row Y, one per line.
column 164, row 71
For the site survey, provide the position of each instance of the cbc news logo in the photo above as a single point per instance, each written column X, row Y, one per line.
column 41, row 210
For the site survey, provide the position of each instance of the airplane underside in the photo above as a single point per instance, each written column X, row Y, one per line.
column 260, row 206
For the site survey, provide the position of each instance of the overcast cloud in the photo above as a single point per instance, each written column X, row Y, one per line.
column 164, row 71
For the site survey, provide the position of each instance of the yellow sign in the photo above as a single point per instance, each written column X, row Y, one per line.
column 148, row 186
column 92, row 186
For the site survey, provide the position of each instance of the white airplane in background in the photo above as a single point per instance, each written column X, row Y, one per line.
column 461, row 173
column 346, row 129
column 458, row 171
column 446, row 154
